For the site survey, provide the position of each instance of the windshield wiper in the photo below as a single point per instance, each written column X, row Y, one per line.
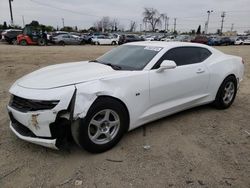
column 115, row 67
column 94, row 61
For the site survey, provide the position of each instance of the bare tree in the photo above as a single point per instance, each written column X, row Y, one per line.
column 104, row 24
column 132, row 26
column 115, row 25
column 152, row 17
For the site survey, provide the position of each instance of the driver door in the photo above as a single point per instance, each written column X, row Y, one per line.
column 176, row 89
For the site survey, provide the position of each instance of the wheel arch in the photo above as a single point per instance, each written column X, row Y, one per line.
column 225, row 77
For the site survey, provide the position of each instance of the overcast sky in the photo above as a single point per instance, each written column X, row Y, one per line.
column 83, row 13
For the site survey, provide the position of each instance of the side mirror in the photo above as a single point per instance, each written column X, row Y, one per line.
column 166, row 64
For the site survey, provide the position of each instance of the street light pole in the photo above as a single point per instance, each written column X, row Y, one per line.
column 208, row 16
column 63, row 22
column 11, row 15
column 23, row 21
column 223, row 15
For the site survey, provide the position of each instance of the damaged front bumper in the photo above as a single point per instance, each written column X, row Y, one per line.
column 47, row 127
column 50, row 143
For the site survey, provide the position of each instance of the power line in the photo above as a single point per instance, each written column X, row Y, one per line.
column 71, row 11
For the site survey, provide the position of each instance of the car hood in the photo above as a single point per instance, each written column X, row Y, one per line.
column 66, row 74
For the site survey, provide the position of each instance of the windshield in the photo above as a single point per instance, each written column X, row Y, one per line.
column 129, row 57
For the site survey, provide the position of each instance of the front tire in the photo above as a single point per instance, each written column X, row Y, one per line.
column 103, row 127
column 23, row 43
column 226, row 93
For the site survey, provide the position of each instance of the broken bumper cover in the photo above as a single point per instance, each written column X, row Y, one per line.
column 38, row 135
column 50, row 143
column 41, row 126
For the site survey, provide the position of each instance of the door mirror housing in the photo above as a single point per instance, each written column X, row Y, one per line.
column 167, row 64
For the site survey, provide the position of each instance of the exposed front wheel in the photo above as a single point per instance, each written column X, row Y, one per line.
column 226, row 94
column 103, row 127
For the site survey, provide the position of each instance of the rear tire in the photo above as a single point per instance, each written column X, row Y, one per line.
column 103, row 127
column 62, row 43
column 41, row 42
column 226, row 93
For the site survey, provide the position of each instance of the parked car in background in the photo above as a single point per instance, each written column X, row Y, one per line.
column 67, row 39
column 168, row 38
column 149, row 38
column 239, row 41
column 226, row 41
column 246, row 41
column 183, row 38
column 200, row 39
column 104, row 40
column 10, row 35
column 56, row 33
column 129, row 38
column 213, row 41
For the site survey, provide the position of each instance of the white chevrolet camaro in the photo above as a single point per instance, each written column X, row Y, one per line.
column 98, row 101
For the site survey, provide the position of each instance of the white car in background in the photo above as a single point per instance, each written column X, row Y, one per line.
column 168, row 39
column 246, row 41
column 150, row 38
column 136, row 83
column 239, row 41
column 104, row 40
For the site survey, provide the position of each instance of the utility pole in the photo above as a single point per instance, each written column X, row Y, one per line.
column 145, row 26
column 208, row 16
column 232, row 27
column 11, row 15
column 167, row 23
column 140, row 27
column 175, row 24
column 63, row 22
column 23, row 21
column 103, row 30
column 223, row 15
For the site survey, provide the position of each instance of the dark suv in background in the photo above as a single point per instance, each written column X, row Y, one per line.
column 129, row 38
column 226, row 41
column 10, row 35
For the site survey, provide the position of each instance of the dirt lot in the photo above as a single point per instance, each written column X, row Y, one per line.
column 202, row 147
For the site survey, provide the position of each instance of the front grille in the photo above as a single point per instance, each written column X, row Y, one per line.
column 27, row 105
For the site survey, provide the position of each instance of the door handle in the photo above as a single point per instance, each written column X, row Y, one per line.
column 200, row 70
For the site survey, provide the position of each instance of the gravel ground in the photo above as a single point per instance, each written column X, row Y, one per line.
column 201, row 147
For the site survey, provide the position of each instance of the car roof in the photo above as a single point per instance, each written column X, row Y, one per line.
column 169, row 45
column 166, row 44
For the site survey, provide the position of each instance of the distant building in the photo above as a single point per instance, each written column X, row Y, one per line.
column 230, row 33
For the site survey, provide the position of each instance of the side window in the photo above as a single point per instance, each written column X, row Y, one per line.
column 185, row 56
